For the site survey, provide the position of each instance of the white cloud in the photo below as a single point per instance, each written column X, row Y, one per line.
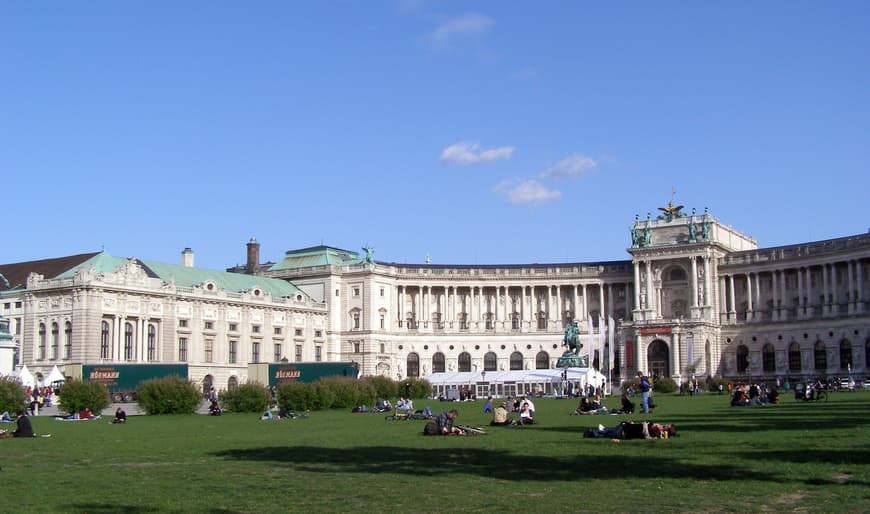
column 525, row 191
column 468, row 25
column 470, row 153
column 574, row 166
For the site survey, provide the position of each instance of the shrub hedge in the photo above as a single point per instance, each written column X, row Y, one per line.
column 247, row 397
column 169, row 395
column 12, row 397
column 77, row 395
column 344, row 393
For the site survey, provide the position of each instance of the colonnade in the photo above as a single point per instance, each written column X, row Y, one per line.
column 818, row 289
column 523, row 305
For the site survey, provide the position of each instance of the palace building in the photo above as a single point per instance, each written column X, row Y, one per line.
column 696, row 299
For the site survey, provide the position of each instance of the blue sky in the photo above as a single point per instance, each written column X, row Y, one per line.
column 474, row 132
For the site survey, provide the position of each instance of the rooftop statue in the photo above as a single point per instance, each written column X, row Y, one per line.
column 672, row 211
column 370, row 254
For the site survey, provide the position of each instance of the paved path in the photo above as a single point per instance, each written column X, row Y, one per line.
column 132, row 409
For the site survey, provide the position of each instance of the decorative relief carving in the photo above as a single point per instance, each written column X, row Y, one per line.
column 132, row 306
column 209, row 313
column 256, row 316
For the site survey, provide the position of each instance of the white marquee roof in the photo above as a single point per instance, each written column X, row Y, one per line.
column 554, row 376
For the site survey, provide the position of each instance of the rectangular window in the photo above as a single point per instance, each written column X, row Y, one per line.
column 277, row 331
column 234, row 347
column 355, row 347
column 318, row 333
column 209, row 325
column 336, row 293
column 208, row 350
column 382, row 292
column 234, row 327
column 298, row 332
column 182, row 323
column 355, row 320
column 318, row 353
column 356, row 291
column 383, row 322
column 298, row 353
column 255, row 352
column 67, row 340
column 18, row 326
column 383, row 348
column 7, row 305
column 17, row 305
column 182, row 349
column 255, row 329
column 277, row 353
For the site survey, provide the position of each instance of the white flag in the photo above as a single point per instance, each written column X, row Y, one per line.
column 602, row 325
column 611, row 334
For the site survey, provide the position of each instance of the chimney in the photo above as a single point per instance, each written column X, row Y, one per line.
column 187, row 258
column 253, row 256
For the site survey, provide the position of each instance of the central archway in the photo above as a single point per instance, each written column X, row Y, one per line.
column 658, row 358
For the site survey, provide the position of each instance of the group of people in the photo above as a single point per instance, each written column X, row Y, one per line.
column 523, row 406
column 754, row 395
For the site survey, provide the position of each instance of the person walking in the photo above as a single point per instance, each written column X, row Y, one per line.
column 644, row 392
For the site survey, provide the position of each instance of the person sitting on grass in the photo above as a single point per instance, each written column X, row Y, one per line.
column 444, row 423
column 120, row 417
column 500, row 416
column 583, row 408
column 24, row 429
column 526, row 417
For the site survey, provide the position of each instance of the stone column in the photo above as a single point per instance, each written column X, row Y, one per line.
column 694, row 262
column 574, row 306
column 835, row 291
column 826, row 292
column 650, row 293
column 559, row 304
column 801, row 308
column 749, row 302
column 675, row 354
column 783, row 283
column 585, row 313
column 732, row 309
column 850, row 290
column 860, row 293
column 708, row 283
column 610, row 301
column 810, row 300
column 636, row 285
column 774, row 315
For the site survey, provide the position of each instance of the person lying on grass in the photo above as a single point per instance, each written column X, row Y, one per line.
column 633, row 430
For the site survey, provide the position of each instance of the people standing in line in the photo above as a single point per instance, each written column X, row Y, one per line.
column 644, row 392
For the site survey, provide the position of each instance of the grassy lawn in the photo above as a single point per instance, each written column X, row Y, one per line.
column 789, row 457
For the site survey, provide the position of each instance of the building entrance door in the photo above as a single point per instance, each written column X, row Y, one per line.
column 658, row 359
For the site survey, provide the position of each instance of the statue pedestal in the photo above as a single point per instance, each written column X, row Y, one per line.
column 570, row 359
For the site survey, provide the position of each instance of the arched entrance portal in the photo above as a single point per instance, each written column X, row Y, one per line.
column 658, row 358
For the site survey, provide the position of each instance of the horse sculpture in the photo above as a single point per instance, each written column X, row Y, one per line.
column 572, row 338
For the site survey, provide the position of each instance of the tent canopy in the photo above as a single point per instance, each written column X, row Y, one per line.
column 26, row 377
column 54, row 377
column 582, row 376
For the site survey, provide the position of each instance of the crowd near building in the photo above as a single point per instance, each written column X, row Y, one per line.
column 696, row 299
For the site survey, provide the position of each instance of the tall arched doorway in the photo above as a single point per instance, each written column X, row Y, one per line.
column 658, row 358
column 207, row 384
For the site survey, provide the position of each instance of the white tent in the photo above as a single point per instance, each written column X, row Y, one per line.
column 54, row 376
column 26, row 377
column 512, row 383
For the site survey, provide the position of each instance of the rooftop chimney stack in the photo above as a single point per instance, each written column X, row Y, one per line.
column 187, row 258
column 253, row 256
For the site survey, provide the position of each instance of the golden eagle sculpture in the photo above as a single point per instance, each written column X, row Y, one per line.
column 672, row 211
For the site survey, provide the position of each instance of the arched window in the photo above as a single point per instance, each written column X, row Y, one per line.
column 845, row 354
column 128, row 341
column 516, row 361
column 413, row 365
column 55, row 340
column 820, row 356
column 742, row 358
column 232, row 383
column 794, row 357
column 438, row 363
column 542, row 360
column 152, row 342
column 67, row 340
column 104, row 341
column 768, row 358
column 464, row 362
column 41, row 354
column 490, row 362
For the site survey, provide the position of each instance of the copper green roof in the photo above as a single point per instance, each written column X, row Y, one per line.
column 184, row 276
column 317, row 256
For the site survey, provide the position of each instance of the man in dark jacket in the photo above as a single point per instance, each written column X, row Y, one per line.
column 25, row 429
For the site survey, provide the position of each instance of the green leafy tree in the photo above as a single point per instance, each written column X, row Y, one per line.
column 77, row 395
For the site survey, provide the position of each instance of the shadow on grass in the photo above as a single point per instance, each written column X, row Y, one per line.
column 484, row 463
column 805, row 456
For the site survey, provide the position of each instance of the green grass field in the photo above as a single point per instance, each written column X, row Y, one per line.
column 788, row 457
